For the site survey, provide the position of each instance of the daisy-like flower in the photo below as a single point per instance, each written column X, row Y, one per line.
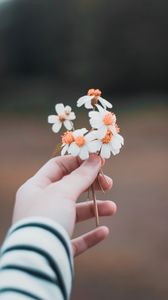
column 67, row 139
column 77, row 142
column 64, row 116
column 92, row 98
column 110, row 143
column 102, row 120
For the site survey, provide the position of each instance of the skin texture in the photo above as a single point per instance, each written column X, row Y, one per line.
column 53, row 191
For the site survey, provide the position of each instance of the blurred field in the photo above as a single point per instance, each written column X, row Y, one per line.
column 133, row 262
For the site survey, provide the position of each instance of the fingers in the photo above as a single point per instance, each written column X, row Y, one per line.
column 81, row 178
column 85, row 211
column 55, row 169
column 58, row 167
column 88, row 240
column 103, row 182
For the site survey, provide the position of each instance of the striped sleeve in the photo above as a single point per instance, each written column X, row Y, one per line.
column 36, row 261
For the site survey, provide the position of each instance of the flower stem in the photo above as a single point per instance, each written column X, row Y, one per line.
column 98, row 180
column 101, row 172
column 95, row 205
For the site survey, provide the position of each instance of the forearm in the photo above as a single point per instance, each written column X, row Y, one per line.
column 36, row 261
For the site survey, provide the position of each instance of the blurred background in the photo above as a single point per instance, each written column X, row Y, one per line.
column 52, row 51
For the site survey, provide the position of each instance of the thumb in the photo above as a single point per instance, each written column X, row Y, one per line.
column 81, row 178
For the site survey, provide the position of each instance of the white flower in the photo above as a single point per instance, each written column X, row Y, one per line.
column 65, row 116
column 77, row 142
column 92, row 98
column 102, row 120
column 67, row 139
column 109, row 143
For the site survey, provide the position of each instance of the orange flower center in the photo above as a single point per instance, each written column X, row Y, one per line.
column 93, row 92
column 96, row 93
column 107, row 137
column 108, row 119
column 67, row 138
column 80, row 141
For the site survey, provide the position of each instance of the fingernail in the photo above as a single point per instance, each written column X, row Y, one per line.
column 103, row 232
column 108, row 179
column 115, row 207
column 94, row 159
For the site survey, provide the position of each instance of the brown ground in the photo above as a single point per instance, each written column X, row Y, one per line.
column 133, row 262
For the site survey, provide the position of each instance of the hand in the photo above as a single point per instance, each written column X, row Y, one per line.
column 53, row 191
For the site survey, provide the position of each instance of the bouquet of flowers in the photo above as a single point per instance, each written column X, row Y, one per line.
column 102, row 138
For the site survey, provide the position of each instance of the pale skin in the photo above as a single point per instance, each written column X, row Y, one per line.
column 54, row 190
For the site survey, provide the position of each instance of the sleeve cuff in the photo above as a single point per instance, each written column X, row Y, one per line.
column 46, row 240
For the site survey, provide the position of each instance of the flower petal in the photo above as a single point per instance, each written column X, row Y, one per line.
column 64, row 150
column 67, row 109
column 105, row 151
column 94, row 114
column 115, row 151
column 52, row 119
column 101, row 132
column 81, row 101
column 95, row 123
column 79, row 132
column 113, row 130
column 74, row 149
column 71, row 116
column 88, row 105
column 56, row 126
column 92, row 135
column 117, row 141
column 84, row 130
column 119, row 136
column 105, row 103
column 68, row 124
column 59, row 108
column 84, row 154
column 102, row 110
column 94, row 146
column 115, row 144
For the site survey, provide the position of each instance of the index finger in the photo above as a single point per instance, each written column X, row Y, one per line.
column 55, row 169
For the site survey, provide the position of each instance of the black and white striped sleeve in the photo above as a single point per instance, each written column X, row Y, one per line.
column 36, row 262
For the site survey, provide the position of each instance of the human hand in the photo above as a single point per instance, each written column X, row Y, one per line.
column 53, row 191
